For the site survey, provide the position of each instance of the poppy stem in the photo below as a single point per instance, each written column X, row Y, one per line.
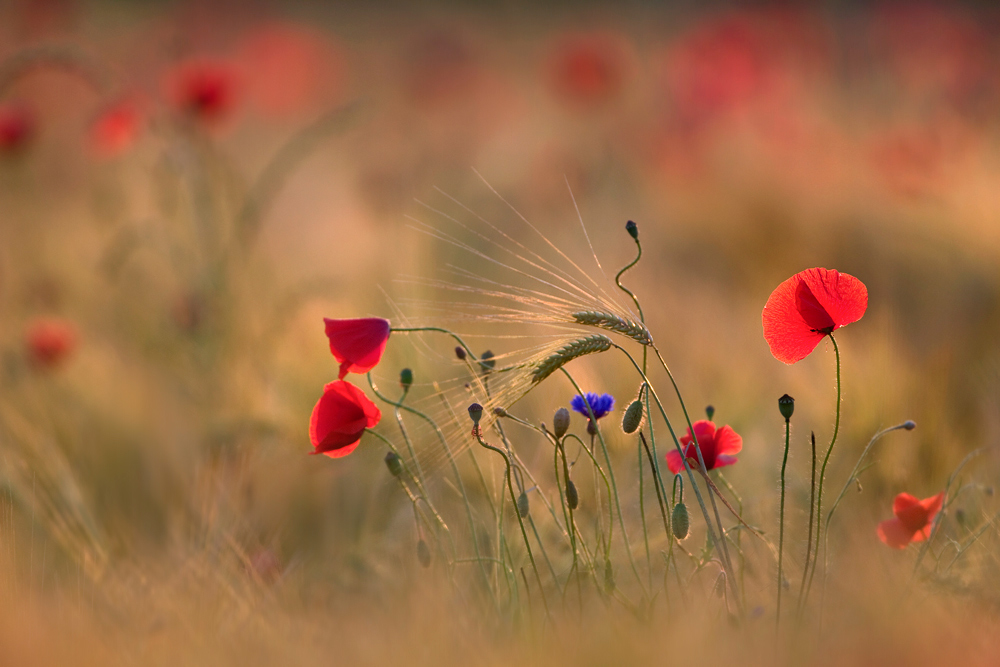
column 781, row 526
column 611, row 479
column 520, row 521
column 719, row 548
column 822, row 474
column 635, row 299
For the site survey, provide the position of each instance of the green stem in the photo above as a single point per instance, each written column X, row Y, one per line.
column 822, row 470
column 812, row 512
column 520, row 521
column 781, row 526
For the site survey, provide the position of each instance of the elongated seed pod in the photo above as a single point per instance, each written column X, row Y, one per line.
column 423, row 553
column 522, row 504
column 632, row 419
column 572, row 497
column 680, row 520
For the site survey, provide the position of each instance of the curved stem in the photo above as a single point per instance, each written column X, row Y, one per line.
column 822, row 472
column 635, row 300
column 781, row 526
column 520, row 521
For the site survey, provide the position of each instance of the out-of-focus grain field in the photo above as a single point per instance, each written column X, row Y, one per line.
column 187, row 189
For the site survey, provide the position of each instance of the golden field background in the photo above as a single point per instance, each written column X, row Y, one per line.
column 158, row 505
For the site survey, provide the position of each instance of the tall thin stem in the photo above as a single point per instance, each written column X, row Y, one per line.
column 781, row 526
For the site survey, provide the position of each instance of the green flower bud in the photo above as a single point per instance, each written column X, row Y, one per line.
column 522, row 504
column 632, row 419
column 572, row 497
column 632, row 229
column 786, row 405
column 394, row 464
column 405, row 378
column 680, row 520
column 476, row 413
column 710, row 411
column 423, row 553
column 560, row 423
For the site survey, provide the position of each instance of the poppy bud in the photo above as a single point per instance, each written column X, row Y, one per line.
column 406, row 378
column 499, row 412
column 560, row 423
column 476, row 413
column 609, row 576
column 710, row 411
column 522, row 504
column 632, row 229
column 423, row 553
column 680, row 520
column 487, row 361
column 720, row 585
column 909, row 424
column 394, row 464
column 632, row 419
column 460, row 352
column 786, row 405
column 572, row 497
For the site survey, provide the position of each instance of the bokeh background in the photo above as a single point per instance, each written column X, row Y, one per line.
column 186, row 189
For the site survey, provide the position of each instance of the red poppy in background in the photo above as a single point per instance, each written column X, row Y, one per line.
column 50, row 341
column 115, row 129
column 913, row 521
column 17, row 127
column 590, row 69
column 808, row 306
column 357, row 344
column 340, row 418
column 208, row 90
column 718, row 447
column 288, row 68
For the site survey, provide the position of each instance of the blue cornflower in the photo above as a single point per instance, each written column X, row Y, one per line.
column 601, row 405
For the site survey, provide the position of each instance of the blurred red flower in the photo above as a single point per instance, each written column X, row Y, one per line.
column 289, row 68
column 116, row 128
column 357, row 344
column 17, row 127
column 206, row 89
column 590, row 69
column 807, row 307
column 718, row 447
column 50, row 341
column 913, row 521
column 340, row 418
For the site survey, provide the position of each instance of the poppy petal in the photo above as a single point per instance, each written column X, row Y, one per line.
column 340, row 417
column 675, row 462
column 724, row 460
column 357, row 344
column 894, row 533
column 727, row 441
column 842, row 296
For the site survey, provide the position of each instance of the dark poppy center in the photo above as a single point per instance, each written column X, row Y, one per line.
column 812, row 311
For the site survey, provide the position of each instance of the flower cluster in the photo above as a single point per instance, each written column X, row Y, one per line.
column 343, row 413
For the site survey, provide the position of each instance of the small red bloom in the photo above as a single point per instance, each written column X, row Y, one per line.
column 913, row 522
column 718, row 447
column 590, row 69
column 807, row 307
column 340, row 418
column 17, row 127
column 50, row 341
column 206, row 89
column 357, row 344
column 116, row 128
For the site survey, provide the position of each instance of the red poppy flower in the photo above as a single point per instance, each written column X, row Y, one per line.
column 17, row 127
column 590, row 69
column 116, row 128
column 717, row 447
column 50, row 341
column 357, row 344
column 206, row 89
column 807, row 307
column 913, row 522
column 340, row 418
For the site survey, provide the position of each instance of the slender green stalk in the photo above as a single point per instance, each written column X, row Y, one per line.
column 659, row 496
column 822, row 471
column 781, row 526
column 614, row 486
column 520, row 521
column 677, row 445
column 635, row 300
column 812, row 511
column 458, row 478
